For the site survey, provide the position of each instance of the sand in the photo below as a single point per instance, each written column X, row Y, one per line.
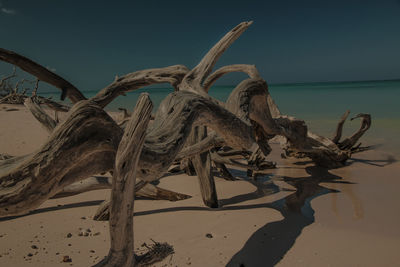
column 343, row 217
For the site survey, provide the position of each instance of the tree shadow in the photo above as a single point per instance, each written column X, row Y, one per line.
column 375, row 162
column 54, row 208
column 268, row 245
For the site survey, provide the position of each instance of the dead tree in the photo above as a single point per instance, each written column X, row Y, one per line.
column 123, row 189
column 188, row 125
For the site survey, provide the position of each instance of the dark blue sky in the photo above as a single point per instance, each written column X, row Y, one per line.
column 89, row 42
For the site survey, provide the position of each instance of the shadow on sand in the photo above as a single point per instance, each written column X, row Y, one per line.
column 268, row 245
column 54, row 208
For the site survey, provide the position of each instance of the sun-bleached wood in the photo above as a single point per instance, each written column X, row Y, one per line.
column 202, row 166
column 246, row 122
column 194, row 79
column 82, row 146
column 45, row 120
column 132, row 81
column 123, row 187
column 250, row 70
column 146, row 190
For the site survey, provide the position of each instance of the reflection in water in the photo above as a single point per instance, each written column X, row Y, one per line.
column 268, row 245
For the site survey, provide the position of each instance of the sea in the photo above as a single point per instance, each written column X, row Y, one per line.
column 320, row 105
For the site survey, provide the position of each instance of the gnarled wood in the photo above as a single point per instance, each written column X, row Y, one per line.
column 193, row 82
column 339, row 128
column 250, row 102
column 139, row 79
column 211, row 141
column 351, row 141
column 45, row 120
column 88, row 135
column 248, row 120
column 157, row 193
column 194, row 79
column 176, row 116
column 89, row 142
column 89, row 184
column 123, row 189
column 52, row 104
column 202, row 166
column 250, row 70
column 143, row 190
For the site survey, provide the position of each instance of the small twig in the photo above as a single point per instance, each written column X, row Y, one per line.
column 34, row 92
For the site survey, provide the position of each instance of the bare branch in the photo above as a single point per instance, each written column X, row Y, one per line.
column 123, row 188
column 206, row 144
column 52, row 104
column 339, row 128
column 250, row 70
column 348, row 143
column 12, row 75
column 34, row 91
column 139, row 79
column 88, row 135
column 43, row 74
column 45, row 120
column 193, row 80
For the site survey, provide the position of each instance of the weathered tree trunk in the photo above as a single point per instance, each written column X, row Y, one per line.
column 80, row 147
column 202, row 165
column 123, row 189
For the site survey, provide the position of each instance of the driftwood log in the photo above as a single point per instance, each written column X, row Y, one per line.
column 189, row 126
column 123, row 188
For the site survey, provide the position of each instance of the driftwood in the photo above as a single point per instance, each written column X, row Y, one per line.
column 88, row 135
column 46, row 121
column 4, row 87
column 43, row 74
column 189, row 126
column 350, row 142
column 245, row 122
column 123, row 189
column 10, row 94
column 142, row 190
column 202, row 167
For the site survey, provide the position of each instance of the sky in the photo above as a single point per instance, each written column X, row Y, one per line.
column 89, row 42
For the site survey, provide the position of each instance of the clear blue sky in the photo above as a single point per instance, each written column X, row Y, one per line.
column 89, row 42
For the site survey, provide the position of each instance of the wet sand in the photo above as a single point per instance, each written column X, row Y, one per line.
column 295, row 215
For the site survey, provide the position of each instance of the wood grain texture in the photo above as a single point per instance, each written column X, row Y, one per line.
column 132, row 81
column 80, row 147
column 45, row 120
column 123, row 187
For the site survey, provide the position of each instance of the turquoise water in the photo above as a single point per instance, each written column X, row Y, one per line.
column 319, row 104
